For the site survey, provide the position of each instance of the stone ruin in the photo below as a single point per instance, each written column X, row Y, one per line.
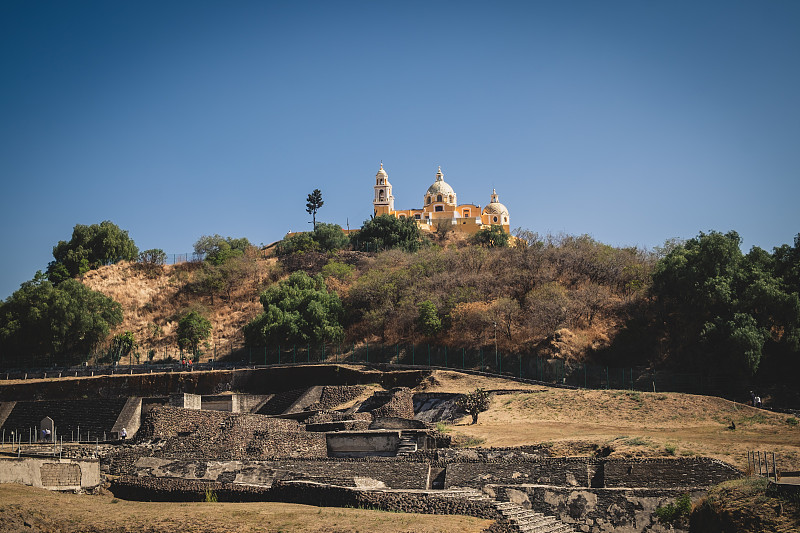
column 324, row 445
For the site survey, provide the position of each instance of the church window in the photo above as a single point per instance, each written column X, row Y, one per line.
column 439, row 198
column 439, row 208
column 381, row 195
column 450, row 198
column 466, row 213
column 417, row 216
column 495, row 219
column 429, row 199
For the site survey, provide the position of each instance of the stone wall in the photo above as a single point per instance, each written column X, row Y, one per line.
column 333, row 396
column 520, row 468
column 678, row 472
column 51, row 473
column 362, row 474
column 563, row 472
column 165, row 489
column 397, row 402
column 222, row 435
column 596, row 510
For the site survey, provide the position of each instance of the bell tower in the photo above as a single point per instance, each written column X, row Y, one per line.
column 383, row 203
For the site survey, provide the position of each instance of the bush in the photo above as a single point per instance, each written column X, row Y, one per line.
column 674, row 512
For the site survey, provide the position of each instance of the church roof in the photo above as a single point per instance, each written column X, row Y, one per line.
column 495, row 207
column 440, row 186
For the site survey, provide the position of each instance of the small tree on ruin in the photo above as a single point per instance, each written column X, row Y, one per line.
column 474, row 403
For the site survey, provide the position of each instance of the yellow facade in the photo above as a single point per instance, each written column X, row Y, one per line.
column 440, row 206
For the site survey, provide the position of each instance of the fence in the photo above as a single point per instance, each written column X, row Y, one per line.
column 758, row 464
column 488, row 360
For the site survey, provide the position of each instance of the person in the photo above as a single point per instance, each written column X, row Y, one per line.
column 758, row 402
column 189, row 363
column 47, row 434
column 123, row 434
column 44, row 434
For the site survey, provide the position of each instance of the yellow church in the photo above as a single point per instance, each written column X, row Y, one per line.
column 440, row 206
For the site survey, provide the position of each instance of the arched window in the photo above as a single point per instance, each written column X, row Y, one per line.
column 429, row 199
column 450, row 198
column 439, row 208
column 439, row 198
column 417, row 216
column 495, row 219
column 380, row 195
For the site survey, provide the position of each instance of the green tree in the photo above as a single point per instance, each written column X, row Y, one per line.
column 90, row 247
column 42, row 323
column 474, row 403
column 313, row 203
column 193, row 328
column 153, row 257
column 385, row 231
column 329, row 237
column 217, row 249
column 724, row 308
column 493, row 237
column 298, row 310
column 296, row 244
column 429, row 321
column 121, row 346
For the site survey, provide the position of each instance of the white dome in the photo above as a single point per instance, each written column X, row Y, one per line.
column 495, row 207
column 441, row 187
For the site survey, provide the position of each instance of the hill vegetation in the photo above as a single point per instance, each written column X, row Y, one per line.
column 700, row 305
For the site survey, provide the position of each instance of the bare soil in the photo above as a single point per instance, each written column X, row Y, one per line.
column 38, row 510
column 631, row 423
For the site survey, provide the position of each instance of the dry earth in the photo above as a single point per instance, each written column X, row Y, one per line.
column 45, row 511
column 633, row 424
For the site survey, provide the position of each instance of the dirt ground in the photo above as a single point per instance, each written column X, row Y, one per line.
column 38, row 510
column 633, row 424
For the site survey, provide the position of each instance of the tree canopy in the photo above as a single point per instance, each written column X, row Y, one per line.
column 90, row 247
column 193, row 328
column 217, row 249
column 325, row 238
column 313, row 203
column 42, row 323
column 724, row 306
column 297, row 310
column 386, row 231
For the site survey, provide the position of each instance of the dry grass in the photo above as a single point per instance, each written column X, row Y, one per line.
column 70, row 513
column 152, row 302
column 645, row 424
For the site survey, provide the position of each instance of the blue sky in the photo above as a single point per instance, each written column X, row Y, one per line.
column 633, row 122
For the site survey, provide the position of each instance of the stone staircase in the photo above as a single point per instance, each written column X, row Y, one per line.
column 519, row 518
column 278, row 403
column 408, row 443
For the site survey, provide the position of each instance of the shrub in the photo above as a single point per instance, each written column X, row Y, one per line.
column 673, row 512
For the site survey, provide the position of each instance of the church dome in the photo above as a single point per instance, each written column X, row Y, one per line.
column 495, row 207
column 381, row 172
column 441, row 187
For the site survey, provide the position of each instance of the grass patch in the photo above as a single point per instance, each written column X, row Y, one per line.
column 443, row 427
column 470, row 442
column 636, row 441
column 792, row 421
column 670, row 448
